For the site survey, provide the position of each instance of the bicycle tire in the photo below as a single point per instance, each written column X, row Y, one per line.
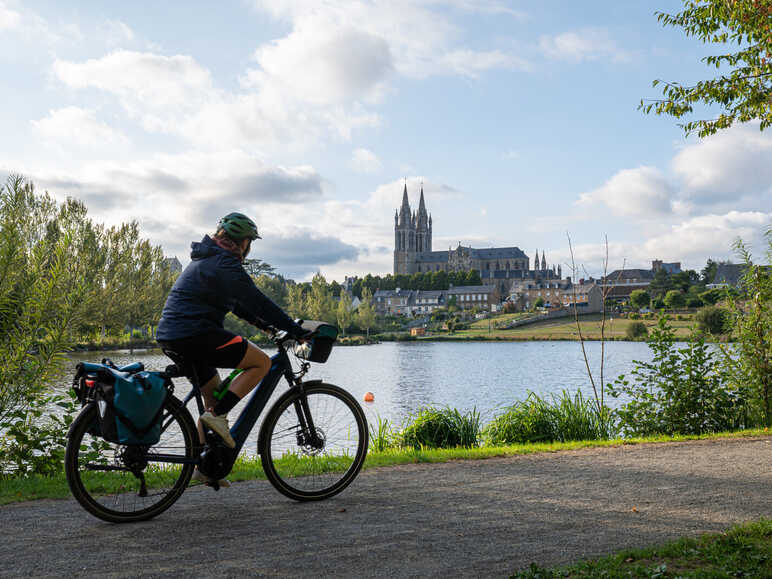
column 312, row 474
column 101, row 482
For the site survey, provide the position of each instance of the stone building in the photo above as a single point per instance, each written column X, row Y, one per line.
column 498, row 266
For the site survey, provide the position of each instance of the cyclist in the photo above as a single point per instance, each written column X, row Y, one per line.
column 191, row 324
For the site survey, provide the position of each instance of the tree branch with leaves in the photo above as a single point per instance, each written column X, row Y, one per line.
column 743, row 91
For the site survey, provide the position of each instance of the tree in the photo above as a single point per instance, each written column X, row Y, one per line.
column 661, row 283
column 741, row 93
column 319, row 302
column 675, row 299
column 344, row 313
column 257, row 267
column 708, row 273
column 365, row 311
column 683, row 280
column 539, row 303
column 712, row 296
column 713, row 320
column 296, row 303
column 274, row 287
column 640, row 299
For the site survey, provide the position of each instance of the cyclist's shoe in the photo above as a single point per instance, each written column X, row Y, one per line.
column 199, row 476
column 219, row 424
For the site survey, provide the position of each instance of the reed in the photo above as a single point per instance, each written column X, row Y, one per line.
column 432, row 427
column 539, row 419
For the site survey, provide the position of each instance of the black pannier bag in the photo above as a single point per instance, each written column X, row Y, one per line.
column 129, row 401
column 318, row 348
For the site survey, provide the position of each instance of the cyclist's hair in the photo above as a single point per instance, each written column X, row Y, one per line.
column 222, row 234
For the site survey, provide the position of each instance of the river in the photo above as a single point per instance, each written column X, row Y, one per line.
column 404, row 376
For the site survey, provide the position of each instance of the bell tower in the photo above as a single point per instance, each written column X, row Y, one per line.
column 404, row 236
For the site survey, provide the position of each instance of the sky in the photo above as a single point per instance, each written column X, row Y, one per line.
column 519, row 119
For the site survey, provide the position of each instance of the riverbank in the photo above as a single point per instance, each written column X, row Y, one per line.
column 558, row 330
column 250, row 468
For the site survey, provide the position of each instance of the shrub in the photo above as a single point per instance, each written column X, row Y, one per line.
column 634, row 316
column 713, row 320
column 537, row 419
column 694, row 302
column 636, row 330
column 432, row 427
column 681, row 391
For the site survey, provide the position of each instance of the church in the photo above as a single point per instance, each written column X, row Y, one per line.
column 498, row 266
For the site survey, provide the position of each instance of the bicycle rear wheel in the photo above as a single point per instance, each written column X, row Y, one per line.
column 106, row 478
column 311, row 464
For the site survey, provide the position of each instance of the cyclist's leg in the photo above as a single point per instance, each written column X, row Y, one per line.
column 255, row 364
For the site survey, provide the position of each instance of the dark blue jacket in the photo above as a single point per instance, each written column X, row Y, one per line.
column 213, row 284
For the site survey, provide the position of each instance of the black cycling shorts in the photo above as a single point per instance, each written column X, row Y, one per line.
column 207, row 352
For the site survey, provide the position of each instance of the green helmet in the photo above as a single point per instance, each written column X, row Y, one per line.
column 238, row 226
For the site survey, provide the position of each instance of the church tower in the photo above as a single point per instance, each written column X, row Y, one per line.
column 423, row 227
column 404, row 236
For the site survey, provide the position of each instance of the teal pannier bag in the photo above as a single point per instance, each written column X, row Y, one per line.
column 138, row 404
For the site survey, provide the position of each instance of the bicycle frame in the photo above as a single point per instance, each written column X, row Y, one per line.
column 280, row 366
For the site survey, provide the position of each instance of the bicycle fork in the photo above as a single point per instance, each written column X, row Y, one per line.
column 308, row 435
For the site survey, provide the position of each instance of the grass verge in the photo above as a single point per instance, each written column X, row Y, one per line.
column 743, row 551
column 247, row 468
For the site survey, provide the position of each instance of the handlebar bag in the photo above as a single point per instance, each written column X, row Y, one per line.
column 320, row 345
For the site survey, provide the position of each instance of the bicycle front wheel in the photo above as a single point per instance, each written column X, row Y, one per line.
column 313, row 442
column 122, row 484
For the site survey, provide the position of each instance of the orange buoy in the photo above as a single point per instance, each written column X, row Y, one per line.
column 369, row 397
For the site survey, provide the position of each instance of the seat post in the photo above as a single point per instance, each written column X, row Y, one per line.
column 189, row 371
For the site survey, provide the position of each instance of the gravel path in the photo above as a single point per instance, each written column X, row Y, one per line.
column 467, row 518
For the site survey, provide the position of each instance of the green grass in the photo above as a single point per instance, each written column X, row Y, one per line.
column 742, row 551
column 246, row 468
column 560, row 329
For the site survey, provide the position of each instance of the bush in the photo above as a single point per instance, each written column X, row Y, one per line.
column 713, row 320
column 441, row 428
column 634, row 316
column 681, row 391
column 636, row 330
column 537, row 419
column 694, row 302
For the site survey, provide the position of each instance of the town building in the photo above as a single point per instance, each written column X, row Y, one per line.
column 403, row 302
column 174, row 264
column 587, row 295
column 729, row 275
column 413, row 252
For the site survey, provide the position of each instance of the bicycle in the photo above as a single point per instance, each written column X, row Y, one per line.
column 312, row 444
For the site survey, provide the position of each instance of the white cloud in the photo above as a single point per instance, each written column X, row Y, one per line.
column 421, row 40
column 76, row 126
column 727, row 167
column 321, row 63
column 8, row 18
column 142, row 81
column 643, row 192
column 585, row 44
column 470, row 63
column 365, row 161
column 709, row 235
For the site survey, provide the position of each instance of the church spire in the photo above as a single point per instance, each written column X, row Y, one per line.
column 405, row 215
column 421, row 204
